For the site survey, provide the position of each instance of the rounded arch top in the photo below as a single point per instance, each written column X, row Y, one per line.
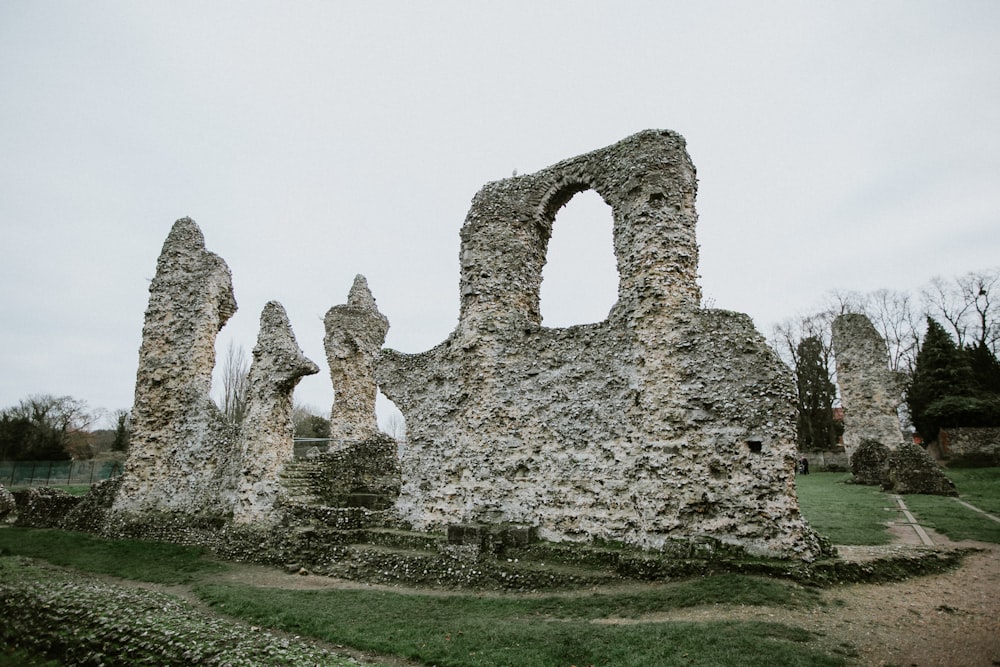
column 649, row 183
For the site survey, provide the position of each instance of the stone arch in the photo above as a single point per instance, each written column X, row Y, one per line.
column 649, row 183
column 579, row 258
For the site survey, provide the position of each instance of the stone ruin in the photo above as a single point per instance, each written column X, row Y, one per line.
column 871, row 394
column 184, row 458
column 870, row 391
column 666, row 424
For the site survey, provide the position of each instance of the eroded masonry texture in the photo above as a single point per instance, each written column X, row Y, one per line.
column 267, row 432
column 871, row 394
column 869, row 390
column 664, row 422
column 355, row 332
column 184, row 458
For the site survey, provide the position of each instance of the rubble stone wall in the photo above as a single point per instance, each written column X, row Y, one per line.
column 355, row 332
column 970, row 446
column 869, row 390
column 184, row 458
column 664, row 422
column 181, row 455
column 267, row 433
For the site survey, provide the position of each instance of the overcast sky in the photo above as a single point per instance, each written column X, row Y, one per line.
column 839, row 145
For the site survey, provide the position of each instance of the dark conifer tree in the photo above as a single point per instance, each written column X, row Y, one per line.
column 985, row 369
column 816, row 394
column 941, row 370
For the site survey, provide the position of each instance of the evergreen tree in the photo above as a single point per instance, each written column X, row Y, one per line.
column 941, row 371
column 816, row 428
column 985, row 369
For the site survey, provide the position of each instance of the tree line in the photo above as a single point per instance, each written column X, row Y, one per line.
column 43, row 427
column 942, row 346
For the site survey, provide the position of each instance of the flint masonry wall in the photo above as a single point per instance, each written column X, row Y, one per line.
column 869, row 390
column 355, row 332
column 181, row 447
column 664, row 422
column 267, row 432
column 184, row 459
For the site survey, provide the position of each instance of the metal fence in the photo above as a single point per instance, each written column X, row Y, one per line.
column 56, row 473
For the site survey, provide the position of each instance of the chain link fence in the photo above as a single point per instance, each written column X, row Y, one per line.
column 56, row 473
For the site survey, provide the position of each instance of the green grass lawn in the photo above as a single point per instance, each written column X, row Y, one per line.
column 157, row 562
column 855, row 514
column 845, row 513
column 473, row 630
column 977, row 486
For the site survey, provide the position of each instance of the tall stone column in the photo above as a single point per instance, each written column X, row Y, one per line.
column 869, row 389
column 355, row 332
column 267, row 433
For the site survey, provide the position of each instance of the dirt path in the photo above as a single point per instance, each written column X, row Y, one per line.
column 946, row 620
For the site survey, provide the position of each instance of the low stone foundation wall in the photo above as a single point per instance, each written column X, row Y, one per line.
column 42, row 507
column 968, row 447
column 827, row 461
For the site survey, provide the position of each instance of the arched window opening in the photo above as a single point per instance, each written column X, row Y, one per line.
column 580, row 277
column 390, row 419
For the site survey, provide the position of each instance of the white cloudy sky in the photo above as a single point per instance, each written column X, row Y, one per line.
column 848, row 144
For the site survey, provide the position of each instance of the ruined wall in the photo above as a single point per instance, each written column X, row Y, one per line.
column 267, row 432
column 355, row 332
column 869, row 390
column 180, row 445
column 183, row 458
column 663, row 422
column 969, row 446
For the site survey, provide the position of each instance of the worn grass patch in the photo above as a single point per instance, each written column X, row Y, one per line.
column 470, row 630
column 157, row 562
column 845, row 513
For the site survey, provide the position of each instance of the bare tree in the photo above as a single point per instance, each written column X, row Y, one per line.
column 785, row 337
column 43, row 426
column 892, row 314
column 968, row 304
column 394, row 425
column 235, row 383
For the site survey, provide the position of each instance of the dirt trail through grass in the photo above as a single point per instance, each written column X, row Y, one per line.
column 948, row 619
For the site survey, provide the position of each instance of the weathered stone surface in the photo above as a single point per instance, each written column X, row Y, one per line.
column 355, row 333
column 267, row 432
column 184, row 459
column 911, row 470
column 91, row 513
column 869, row 390
column 359, row 474
column 663, row 422
column 7, row 503
column 870, row 463
column 969, row 446
column 42, row 507
column 180, row 446
column 871, row 394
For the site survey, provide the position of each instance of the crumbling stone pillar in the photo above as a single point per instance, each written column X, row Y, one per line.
column 664, row 422
column 267, row 432
column 179, row 440
column 355, row 333
column 871, row 394
column 184, row 460
column 869, row 390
